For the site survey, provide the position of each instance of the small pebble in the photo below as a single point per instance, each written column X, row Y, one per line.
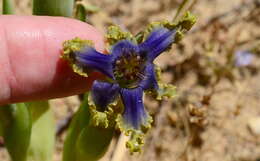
column 254, row 125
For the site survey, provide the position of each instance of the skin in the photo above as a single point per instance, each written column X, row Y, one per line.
column 30, row 64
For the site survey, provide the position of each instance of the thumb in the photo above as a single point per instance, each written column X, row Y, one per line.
column 30, row 64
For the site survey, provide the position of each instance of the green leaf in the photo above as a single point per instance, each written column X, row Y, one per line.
column 8, row 7
column 53, row 7
column 85, row 142
column 16, row 122
column 79, row 121
column 83, row 9
column 80, row 12
column 43, row 132
column 93, row 142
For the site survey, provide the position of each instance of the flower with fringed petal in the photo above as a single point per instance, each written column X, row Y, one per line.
column 130, row 72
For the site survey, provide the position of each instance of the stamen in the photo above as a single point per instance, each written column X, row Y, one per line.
column 118, row 62
column 128, row 70
column 140, row 75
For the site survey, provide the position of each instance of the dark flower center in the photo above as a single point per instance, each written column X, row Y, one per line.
column 129, row 70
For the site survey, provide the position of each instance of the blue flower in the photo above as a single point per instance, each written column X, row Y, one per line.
column 131, row 71
column 243, row 58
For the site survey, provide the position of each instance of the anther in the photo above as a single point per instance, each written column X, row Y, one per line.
column 138, row 57
column 118, row 62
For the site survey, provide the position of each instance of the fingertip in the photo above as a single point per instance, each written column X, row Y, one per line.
column 83, row 30
column 33, row 68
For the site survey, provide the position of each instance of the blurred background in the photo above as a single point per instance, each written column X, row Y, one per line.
column 216, row 115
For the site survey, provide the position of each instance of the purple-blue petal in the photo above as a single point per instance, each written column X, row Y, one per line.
column 104, row 93
column 134, row 113
column 124, row 48
column 243, row 58
column 158, row 41
column 149, row 81
column 90, row 58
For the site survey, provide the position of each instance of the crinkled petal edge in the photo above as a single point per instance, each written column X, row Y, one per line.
column 68, row 53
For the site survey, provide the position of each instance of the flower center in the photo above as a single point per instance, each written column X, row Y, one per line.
column 129, row 70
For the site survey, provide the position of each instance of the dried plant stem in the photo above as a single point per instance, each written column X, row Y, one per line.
column 184, row 6
column 120, row 149
column 236, row 9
